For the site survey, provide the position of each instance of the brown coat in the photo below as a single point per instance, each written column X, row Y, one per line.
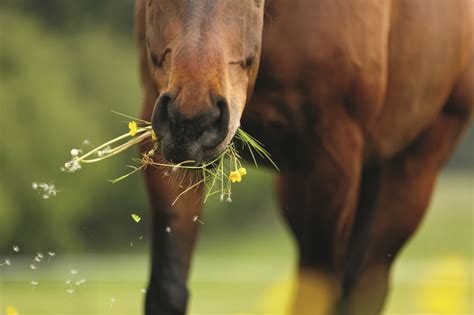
column 360, row 102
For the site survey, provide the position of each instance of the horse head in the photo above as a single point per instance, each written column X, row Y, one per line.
column 203, row 58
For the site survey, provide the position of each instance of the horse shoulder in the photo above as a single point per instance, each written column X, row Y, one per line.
column 326, row 54
column 430, row 45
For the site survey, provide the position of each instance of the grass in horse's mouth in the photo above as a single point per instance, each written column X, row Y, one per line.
column 217, row 175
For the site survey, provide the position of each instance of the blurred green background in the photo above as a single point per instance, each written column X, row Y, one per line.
column 64, row 65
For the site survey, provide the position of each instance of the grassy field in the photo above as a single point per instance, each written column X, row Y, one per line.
column 251, row 273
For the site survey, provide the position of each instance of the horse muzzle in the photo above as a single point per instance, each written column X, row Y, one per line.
column 187, row 135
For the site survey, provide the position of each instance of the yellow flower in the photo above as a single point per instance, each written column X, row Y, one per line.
column 12, row 310
column 235, row 176
column 153, row 135
column 242, row 171
column 133, row 128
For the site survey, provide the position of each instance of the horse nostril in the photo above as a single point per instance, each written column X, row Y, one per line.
column 218, row 127
column 159, row 118
column 223, row 120
column 221, row 104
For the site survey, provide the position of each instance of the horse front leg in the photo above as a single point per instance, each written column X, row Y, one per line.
column 318, row 203
column 173, row 235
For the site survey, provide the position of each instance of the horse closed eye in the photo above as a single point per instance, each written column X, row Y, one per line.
column 245, row 64
column 158, row 62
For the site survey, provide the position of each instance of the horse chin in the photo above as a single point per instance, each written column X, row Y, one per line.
column 189, row 156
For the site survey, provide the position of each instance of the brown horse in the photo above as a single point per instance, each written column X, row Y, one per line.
column 360, row 103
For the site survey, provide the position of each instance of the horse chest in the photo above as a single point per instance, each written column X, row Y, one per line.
column 295, row 99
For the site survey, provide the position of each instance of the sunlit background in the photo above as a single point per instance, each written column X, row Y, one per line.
column 64, row 65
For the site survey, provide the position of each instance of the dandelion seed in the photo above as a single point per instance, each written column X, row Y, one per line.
column 16, row 249
column 141, row 237
column 7, row 262
column 131, row 243
column 37, row 259
column 82, row 281
column 46, row 190
column 51, row 255
column 168, row 230
column 68, row 281
column 229, row 200
column 86, row 142
column 196, row 219
column 222, row 197
column 136, row 217
column 143, row 291
column 72, row 166
column 70, row 290
column 75, row 152
column 132, row 126
column 74, row 271
column 33, row 266
column 40, row 255
column 33, row 282
column 112, row 301
column 104, row 152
